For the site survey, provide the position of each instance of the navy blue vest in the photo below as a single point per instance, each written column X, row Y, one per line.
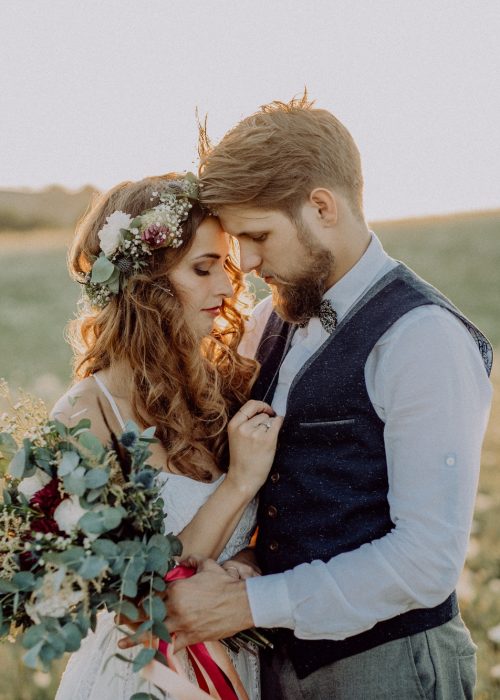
column 327, row 491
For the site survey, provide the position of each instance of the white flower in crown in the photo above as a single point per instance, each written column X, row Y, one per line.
column 68, row 513
column 110, row 235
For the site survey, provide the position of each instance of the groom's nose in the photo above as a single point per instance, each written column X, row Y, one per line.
column 249, row 259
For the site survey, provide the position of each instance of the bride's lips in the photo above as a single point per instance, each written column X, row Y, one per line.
column 214, row 311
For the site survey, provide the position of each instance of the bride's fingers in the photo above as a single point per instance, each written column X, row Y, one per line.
column 193, row 561
column 249, row 410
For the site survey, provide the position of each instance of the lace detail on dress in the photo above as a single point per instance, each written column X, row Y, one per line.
column 92, row 672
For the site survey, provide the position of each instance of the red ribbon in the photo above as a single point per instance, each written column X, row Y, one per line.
column 198, row 653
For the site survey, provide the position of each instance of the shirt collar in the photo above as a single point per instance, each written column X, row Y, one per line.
column 360, row 277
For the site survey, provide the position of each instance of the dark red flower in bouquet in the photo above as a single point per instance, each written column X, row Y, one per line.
column 46, row 501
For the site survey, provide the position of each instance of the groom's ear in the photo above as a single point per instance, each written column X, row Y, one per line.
column 325, row 203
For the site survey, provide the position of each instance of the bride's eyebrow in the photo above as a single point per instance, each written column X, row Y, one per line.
column 214, row 256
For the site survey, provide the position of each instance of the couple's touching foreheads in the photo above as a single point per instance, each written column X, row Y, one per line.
column 319, row 453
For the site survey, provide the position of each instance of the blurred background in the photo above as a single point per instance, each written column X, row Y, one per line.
column 94, row 93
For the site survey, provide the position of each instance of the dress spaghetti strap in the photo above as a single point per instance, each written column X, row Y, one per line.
column 111, row 400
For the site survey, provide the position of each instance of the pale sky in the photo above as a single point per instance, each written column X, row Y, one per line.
column 98, row 91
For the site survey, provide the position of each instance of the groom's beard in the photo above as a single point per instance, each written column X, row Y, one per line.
column 297, row 298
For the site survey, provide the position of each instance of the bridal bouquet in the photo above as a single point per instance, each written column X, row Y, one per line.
column 81, row 531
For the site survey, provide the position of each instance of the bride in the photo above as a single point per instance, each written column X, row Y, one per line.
column 156, row 344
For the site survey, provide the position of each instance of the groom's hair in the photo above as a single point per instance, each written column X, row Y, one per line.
column 274, row 158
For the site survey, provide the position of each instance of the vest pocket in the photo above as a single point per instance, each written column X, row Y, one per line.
column 327, row 432
column 327, row 423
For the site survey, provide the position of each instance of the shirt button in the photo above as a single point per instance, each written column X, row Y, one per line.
column 450, row 460
column 272, row 511
column 275, row 477
column 273, row 546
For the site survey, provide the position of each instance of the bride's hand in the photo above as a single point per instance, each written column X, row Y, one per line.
column 253, row 434
column 240, row 570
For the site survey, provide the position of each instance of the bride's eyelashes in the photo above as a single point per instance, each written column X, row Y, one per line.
column 201, row 273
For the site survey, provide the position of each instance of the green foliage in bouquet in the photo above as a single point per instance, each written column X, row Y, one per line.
column 81, row 530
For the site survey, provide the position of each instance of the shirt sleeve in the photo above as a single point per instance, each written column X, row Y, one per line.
column 427, row 382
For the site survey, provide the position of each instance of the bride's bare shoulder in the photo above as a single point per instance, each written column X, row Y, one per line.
column 80, row 401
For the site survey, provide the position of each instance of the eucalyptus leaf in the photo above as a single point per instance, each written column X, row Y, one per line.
column 93, row 496
column 82, row 425
column 143, row 658
column 97, row 477
column 92, row 523
column 131, row 427
column 31, row 657
column 72, row 636
column 8, row 448
column 33, row 635
column 159, row 584
column 91, row 443
column 148, row 433
column 127, row 608
column 24, row 580
column 160, row 630
column 57, row 642
column 157, row 609
column 143, row 627
column 102, row 270
column 112, row 517
column 7, row 586
column 68, row 463
column 105, row 548
column 74, row 483
column 155, row 559
column 92, row 566
column 129, row 588
column 47, row 654
column 114, row 281
column 17, row 466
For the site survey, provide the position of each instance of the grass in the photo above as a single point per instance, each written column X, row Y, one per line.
column 460, row 255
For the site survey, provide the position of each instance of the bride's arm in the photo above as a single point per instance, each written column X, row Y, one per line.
column 252, row 446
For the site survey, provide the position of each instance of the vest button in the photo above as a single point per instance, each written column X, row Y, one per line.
column 272, row 511
column 275, row 477
column 273, row 546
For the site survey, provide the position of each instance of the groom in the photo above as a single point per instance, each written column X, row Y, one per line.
column 365, row 517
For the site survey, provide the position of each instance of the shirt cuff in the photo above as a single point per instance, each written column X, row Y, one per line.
column 269, row 601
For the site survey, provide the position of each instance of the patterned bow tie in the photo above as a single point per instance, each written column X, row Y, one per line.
column 327, row 315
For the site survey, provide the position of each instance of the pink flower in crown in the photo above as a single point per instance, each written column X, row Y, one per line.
column 155, row 235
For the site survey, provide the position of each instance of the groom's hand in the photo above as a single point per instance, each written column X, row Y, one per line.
column 210, row 605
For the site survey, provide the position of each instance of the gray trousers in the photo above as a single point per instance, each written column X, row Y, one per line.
column 439, row 664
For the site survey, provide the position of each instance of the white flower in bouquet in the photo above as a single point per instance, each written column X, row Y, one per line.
column 68, row 513
column 32, row 484
column 110, row 235
column 52, row 599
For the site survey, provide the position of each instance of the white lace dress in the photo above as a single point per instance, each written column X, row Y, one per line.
column 92, row 672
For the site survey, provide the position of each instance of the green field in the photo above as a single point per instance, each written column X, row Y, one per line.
column 459, row 254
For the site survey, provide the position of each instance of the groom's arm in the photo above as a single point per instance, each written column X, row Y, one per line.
column 431, row 390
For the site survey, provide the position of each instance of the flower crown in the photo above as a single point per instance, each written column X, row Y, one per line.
column 126, row 243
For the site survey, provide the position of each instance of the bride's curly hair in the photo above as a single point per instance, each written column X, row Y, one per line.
column 188, row 389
